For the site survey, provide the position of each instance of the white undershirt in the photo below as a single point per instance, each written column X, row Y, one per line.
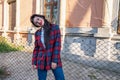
column 42, row 37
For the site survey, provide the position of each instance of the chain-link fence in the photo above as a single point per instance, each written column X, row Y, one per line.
column 84, row 58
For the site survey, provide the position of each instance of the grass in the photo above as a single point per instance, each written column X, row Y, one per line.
column 92, row 76
column 6, row 46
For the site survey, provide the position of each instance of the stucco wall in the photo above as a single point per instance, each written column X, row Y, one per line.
column 0, row 15
column 91, row 51
column 84, row 13
column 26, row 10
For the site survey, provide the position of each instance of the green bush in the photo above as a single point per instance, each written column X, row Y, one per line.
column 6, row 46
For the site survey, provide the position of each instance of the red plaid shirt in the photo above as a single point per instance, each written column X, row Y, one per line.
column 42, row 58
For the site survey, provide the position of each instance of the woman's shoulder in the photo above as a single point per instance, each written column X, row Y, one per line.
column 37, row 32
column 55, row 27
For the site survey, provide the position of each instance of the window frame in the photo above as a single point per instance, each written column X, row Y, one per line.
column 11, row 1
column 51, row 5
column 12, row 16
column 118, row 27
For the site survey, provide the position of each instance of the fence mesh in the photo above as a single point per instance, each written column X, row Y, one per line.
column 80, row 61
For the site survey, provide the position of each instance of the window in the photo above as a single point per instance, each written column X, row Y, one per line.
column 52, row 10
column 118, row 29
column 12, row 14
column 10, row 1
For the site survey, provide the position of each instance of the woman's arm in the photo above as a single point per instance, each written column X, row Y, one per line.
column 57, row 46
column 35, row 51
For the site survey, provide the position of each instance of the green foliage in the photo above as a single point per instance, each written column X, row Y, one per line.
column 92, row 77
column 6, row 46
column 2, row 71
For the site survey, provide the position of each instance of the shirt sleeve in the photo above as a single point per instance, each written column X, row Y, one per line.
column 35, row 51
column 57, row 46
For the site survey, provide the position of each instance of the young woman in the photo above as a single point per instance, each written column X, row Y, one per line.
column 46, row 54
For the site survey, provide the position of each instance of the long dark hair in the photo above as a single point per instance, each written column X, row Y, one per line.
column 47, row 27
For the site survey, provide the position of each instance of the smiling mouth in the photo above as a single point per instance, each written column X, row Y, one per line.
column 40, row 23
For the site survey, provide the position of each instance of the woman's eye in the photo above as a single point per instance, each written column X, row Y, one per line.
column 36, row 22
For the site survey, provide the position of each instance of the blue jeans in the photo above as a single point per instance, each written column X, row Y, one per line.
column 58, row 73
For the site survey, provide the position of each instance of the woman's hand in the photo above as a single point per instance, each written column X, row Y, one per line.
column 34, row 66
column 53, row 65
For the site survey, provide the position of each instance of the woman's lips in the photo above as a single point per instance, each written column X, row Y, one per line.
column 40, row 22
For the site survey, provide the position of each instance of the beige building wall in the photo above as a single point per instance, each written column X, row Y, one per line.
column 1, row 15
column 73, row 13
column 26, row 10
column 84, row 13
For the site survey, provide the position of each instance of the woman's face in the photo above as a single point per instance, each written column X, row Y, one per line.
column 38, row 21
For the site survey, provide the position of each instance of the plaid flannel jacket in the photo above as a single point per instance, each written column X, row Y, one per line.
column 42, row 57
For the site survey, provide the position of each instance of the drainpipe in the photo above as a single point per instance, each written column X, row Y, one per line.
column 37, row 6
column 17, row 28
column 5, row 20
